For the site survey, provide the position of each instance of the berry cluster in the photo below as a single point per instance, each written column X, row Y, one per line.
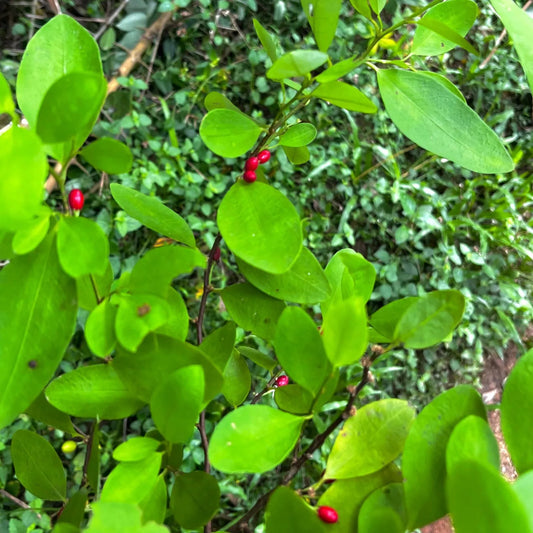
column 251, row 165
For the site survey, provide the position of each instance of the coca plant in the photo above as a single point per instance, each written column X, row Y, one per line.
column 388, row 469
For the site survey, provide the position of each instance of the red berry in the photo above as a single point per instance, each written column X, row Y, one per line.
column 282, row 381
column 327, row 514
column 76, row 199
column 216, row 254
column 263, row 156
column 252, row 163
column 249, row 176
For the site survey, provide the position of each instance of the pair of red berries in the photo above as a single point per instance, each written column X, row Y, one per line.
column 251, row 165
column 76, row 199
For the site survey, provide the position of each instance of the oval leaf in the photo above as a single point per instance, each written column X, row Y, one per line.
column 237, row 379
column 296, row 64
column 108, row 155
column 300, row 134
column 135, row 449
column 100, row 329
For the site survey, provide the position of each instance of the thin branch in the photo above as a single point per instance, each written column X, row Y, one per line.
column 14, row 499
column 110, row 20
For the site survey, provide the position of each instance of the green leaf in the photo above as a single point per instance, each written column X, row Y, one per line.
column 37, row 320
column 44, row 412
column 218, row 345
column 294, row 399
column 114, row 516
column 138, row 315
column 517, row 413
column 424, row 455
column 430, row 319
column 177, row 325
column 370, row 439
column 91, row 289
column 297, row 156
column 153, row 214
column 300, row 351
column 362, row 7
column 74, row 511
column 195, row 499
column 253, row 439
column 445, row 82
column 261, row 226
column 71, row 106
column 100, row 329
column 93, row 463
column 295, row 64
column 135, row 449
column 38, row 467
column 176, row 403
column 520, row 27
column 346, row 496
column 108, row 155
column 323, row 17
column 237, row 379
column 482, row 501
column 523, row 487
column 154, row 505
column 287, row 512
column 82, row 247
column 472, row 440
column 377, row 5
column 305, row 282
column 445, row 31
column 92, row 391
column 216, row 100
column 266, row 40
column 6, row 100
column 385, row 320
column 345, row 332
column 24, row 167
column 383, row 510
column 259, row 358
column 451, row 129
column 456, row 15
column 346, row 96
column 73, row 49
column 156, row 358
column 297, row 135
column 337, row 70
column 132, row 481
column 252, row 310
column 156, row 269
column 27, row 238
column 228, row 133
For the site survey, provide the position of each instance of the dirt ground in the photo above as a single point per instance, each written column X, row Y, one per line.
column 494, row 374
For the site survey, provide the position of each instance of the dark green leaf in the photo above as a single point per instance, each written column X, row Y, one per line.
column 74, row 511
column 383, row 510
column 294, row 399
column 259, row 358
column 219, row 344
column 237, row 379
column 108, row 155
column 296, row 64
column 44, row 412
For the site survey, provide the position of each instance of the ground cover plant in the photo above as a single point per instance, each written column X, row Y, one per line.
column 203, row 421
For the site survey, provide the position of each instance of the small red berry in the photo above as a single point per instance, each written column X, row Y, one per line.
column 282, row 381
column 252, row 163
column 263, row 156
column 327, row 514
column 76, row 199
column 249, row 176
column 216, row 254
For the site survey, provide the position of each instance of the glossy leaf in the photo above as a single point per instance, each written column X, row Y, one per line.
column 216, row 100
column 520, row 27
column 517, row 413
column 323, row 17
column 38, row 467
column 156, row 358
column 266, row 40
column 300, row 350
column 23, row 161
column 383, row 510
column 100, row 329
column 261, row 226
column 305, row 282
column 294, row 399
column 150, row 212
column 296, row 64
column 237, row 379
column 135, row 449
column 482, row 501
column 297, row 156
column 457, row 15
column 44, row 412
column 252, row 310
column 286, row 512
column 300, row 134
column 27, row 238
column 346, row 96
column 176, row 403
column 370, row 439
column 472, row 440
column 385, row 320
column 78, row 257
column 92, row 391
column 71, row 105
column 346, row 496
column 345, row 332
column 451, row 130
column 177, row 325
column 253, row 439
column 218, row 345
column 424, row 455
column 34, row 293
column 108, row 155
column 61, row 37
column 228, row 133
column 195, row 499
column 130, row 482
